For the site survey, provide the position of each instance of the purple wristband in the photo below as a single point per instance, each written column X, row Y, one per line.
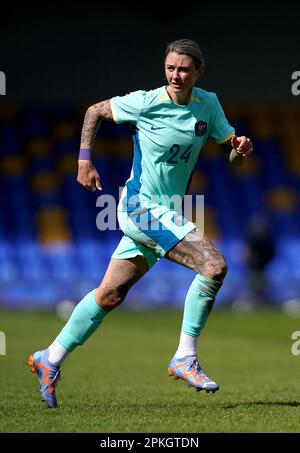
column 85, row 154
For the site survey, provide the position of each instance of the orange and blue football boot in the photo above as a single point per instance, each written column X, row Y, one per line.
column 188, row 369
column 48, row 375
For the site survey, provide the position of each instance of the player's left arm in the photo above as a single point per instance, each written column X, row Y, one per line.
column 238, row 148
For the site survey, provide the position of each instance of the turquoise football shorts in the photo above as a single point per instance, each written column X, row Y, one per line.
column 150, row 232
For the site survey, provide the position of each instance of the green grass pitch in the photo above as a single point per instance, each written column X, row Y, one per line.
column 117, row 382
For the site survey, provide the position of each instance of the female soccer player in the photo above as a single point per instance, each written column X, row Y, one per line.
column 170, row 125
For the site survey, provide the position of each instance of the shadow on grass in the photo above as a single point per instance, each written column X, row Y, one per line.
column 263, row 403
column 138, row 406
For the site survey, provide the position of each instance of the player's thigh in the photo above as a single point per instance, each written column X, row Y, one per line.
column 197, row 252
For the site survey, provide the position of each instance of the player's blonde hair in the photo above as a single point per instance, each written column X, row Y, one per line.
column 186, row 47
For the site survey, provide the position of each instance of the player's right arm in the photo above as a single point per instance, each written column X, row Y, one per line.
column 95, row 114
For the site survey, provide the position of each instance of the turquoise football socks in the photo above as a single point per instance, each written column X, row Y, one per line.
column 198, row 304
column 87, row 316
column 84, row 320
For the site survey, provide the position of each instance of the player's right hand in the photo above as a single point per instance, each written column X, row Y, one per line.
column 242, row 145
column 88, row 176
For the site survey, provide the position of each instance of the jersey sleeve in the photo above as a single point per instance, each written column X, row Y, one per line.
column 220, row 130
column 128, row 108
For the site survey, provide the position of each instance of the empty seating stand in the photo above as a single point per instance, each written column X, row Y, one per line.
column 51, row 249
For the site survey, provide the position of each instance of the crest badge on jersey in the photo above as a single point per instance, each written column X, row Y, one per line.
column 200, row 128
column 179, row 220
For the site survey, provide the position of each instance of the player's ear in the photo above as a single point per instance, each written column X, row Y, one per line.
column 201, row 70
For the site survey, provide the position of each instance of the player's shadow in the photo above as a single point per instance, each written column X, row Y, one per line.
column 263, row 403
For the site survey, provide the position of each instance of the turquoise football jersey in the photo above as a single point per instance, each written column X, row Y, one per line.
column 167, row 138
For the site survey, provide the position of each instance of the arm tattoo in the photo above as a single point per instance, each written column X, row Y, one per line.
column 92, row 120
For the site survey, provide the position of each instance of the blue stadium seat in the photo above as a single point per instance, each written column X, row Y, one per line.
column 11, row 140
column 8, row 268
column 35, row 121
column 29, row 260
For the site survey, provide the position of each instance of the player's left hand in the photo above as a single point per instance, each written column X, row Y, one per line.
column 242, row 145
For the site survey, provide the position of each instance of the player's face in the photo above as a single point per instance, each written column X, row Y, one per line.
column 181, row 72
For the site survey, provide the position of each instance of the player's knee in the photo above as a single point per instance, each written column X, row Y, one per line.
column 216, row 267
column 222, row 268
column 110, row 297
